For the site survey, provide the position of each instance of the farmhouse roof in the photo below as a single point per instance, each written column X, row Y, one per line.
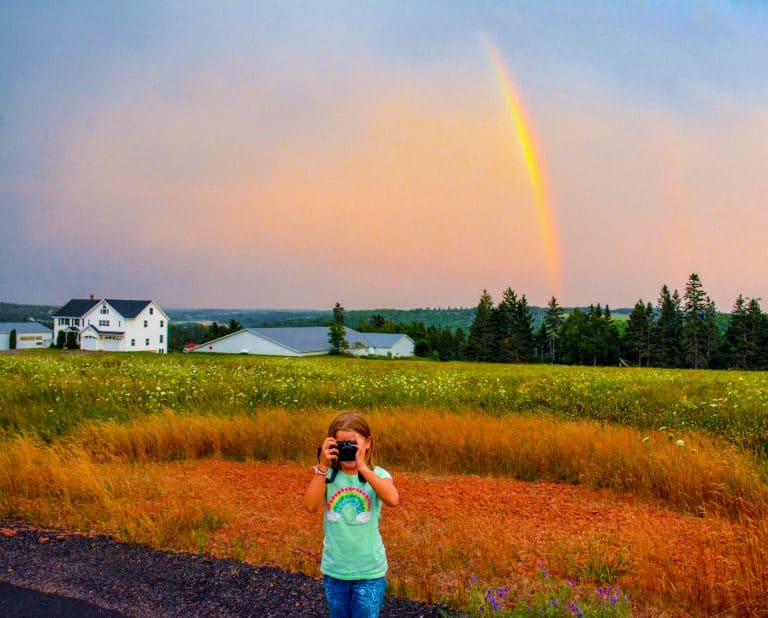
column 24, row 327
column 128, row 308
column 78, row 307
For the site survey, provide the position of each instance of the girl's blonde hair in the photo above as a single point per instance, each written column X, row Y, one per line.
column 352, row 421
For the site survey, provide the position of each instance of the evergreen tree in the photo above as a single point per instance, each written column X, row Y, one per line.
column 61, row 340
column 552, row 327
column 12, row 340
column 523, row 331
column 460, row 344
column 711, row 332
column 757, row 329
column 505, row 345
column 234, row 326
column 694, row 328
column 513, row 329
column 737, row 346
column 637, row 335
column 72, row 340
column 480, row 343
column 573, row 338
column 668, row 331
column 609, row 333
column 336, row 332
column 600, row 338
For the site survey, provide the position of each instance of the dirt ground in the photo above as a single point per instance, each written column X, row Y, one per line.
column 448, row 530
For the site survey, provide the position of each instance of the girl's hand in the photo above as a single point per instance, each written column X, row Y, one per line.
column 328, row 452
column 360, row 454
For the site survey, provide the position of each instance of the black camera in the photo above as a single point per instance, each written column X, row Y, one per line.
column 347, row 450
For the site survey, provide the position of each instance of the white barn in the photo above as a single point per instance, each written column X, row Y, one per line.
column 306, row 341
column 28, row 335
column 114, row 325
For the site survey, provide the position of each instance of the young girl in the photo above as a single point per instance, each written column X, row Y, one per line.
column 354, row 562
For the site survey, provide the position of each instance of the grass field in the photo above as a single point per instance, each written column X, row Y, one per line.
column 87, row 441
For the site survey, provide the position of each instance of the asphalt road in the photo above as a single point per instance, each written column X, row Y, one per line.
column 16, row 602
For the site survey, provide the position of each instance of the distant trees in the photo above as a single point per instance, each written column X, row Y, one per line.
column 481, row 341
column 501, row 334
column 668, row 331
column 551, row 328
column 336, row 332
column 677, row 332
column 590, row 338
column 637, row 344
column 745, row 344
column 694, row 323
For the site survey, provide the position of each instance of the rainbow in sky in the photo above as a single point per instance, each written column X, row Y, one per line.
column 533, row 161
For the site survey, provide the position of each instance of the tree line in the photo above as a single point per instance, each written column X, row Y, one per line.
column 676, row 331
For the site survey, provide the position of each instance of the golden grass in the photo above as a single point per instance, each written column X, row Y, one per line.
column 693, row 473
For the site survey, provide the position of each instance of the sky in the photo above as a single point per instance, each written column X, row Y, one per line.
column 296, row 154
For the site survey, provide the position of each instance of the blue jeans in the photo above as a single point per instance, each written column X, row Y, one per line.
column 359, row 598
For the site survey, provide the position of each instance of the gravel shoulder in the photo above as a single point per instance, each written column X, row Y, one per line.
column 138, row 581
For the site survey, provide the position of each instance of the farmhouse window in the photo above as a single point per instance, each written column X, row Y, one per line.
column 151, row 311
column 104, row 310
column 133, row 343
column 161, row 338
column 162, row 323
column 145, row 323
column 146, row 341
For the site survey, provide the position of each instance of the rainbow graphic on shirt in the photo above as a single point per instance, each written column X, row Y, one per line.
column 354, row 496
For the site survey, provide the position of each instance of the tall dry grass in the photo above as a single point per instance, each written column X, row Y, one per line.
column 106, row 479
column 62, row 485
column 691, row 472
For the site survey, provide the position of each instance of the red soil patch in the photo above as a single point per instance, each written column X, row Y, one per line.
column 447, row 529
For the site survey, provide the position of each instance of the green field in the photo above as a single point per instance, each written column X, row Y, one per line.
column 49, row 394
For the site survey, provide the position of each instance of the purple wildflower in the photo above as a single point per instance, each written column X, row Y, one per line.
column 474, row 580
column 502, row 591
column 574, row 609
column 494, row 603
column 543, row 568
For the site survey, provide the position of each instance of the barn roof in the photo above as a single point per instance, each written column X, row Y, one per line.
column 24, row 327
column 309, row 339
column 304, row 339
column 382, row 340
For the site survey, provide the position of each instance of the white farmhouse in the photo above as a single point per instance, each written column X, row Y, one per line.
column 28, row 335
column 306, row 341
column 114, row 325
